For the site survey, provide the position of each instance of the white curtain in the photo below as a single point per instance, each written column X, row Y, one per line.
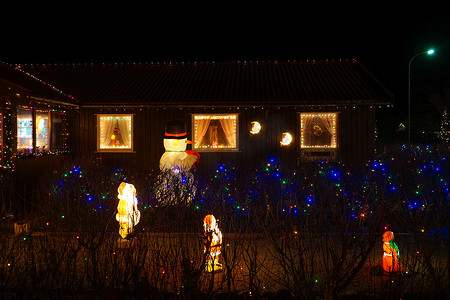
column 124, row 131
column 122, row 124
column 202, row 127
column 228, row 128
column 328, row 122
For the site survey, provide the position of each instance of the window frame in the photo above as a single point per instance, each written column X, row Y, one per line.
column 318, row 153
column 49, row 131
column 25, row 150
column 115, row 150
column 50, row 149
column 333, row 146
column 219, row 149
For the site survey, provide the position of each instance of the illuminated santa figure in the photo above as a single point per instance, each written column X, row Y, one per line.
column 176, row 157
column 128, row 214
column 391, row 253
column 212, row 241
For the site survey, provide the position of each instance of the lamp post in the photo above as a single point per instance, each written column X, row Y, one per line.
column 429, row 52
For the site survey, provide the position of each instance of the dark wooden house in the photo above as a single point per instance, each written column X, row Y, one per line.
column 34, row 135
column 237, row 112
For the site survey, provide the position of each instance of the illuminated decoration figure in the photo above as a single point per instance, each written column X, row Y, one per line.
column 286, row 139
column 391, row 253
column 401, row 127
column 256, row 127
column 176, row 180
column 114, row 136
column 317, row 130
column 40, row 124
column 128, row 214
column 176, row 156
column 212, row 241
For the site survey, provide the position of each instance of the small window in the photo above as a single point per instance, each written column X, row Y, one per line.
column 215, row 132
column 115, row 133
column 318, row 130
column 24, row 131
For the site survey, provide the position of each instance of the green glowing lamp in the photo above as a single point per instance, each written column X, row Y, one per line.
column 431, row 51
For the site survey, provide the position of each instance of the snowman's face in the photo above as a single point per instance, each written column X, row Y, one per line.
column 175, row 144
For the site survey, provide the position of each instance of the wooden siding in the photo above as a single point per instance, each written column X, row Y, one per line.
column 356, row 129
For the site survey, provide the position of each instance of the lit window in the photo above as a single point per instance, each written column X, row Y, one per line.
column 24, row 131
column 42, row 131
column 115, row 133
column 318, row 130
column 215, row 132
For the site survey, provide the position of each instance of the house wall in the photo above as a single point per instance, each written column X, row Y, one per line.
column 356, row 135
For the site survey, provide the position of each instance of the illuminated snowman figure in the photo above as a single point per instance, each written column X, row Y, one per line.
column 176, row 157
column 176, row 180
column 128, row 214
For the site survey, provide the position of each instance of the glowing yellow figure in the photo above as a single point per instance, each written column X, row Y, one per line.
column 391, row 253
column 256, row 127
column 212, row 240
column 286, row 139
column 128, row 214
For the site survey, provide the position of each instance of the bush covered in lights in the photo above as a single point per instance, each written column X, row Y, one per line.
column 308, row 229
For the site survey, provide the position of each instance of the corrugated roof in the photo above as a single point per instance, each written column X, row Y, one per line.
column 233, row 83
column 36, row 87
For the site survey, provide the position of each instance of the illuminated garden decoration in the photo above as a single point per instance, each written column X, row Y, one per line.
column 256, row 127
column 444, row 133
column 176, row 182
column 212, row 241
column 176, row 157
column 286, row 139
column 391, row 253
column 128, row 214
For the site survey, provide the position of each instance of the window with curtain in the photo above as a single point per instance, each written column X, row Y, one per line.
column 24, row 131
column 42, row 131
column 318, row 130
column 115, row 133
column 215, row 132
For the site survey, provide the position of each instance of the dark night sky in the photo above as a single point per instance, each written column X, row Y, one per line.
column 383, row 41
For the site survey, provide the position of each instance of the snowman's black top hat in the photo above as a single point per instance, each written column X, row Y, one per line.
column 175, row 129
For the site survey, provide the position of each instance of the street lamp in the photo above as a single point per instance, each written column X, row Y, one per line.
column 429, row 52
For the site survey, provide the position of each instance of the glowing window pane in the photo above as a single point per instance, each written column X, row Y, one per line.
column 24, row 130
column 318, row 130
column 115, row 133
column 42, row 131
column 215, row 132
